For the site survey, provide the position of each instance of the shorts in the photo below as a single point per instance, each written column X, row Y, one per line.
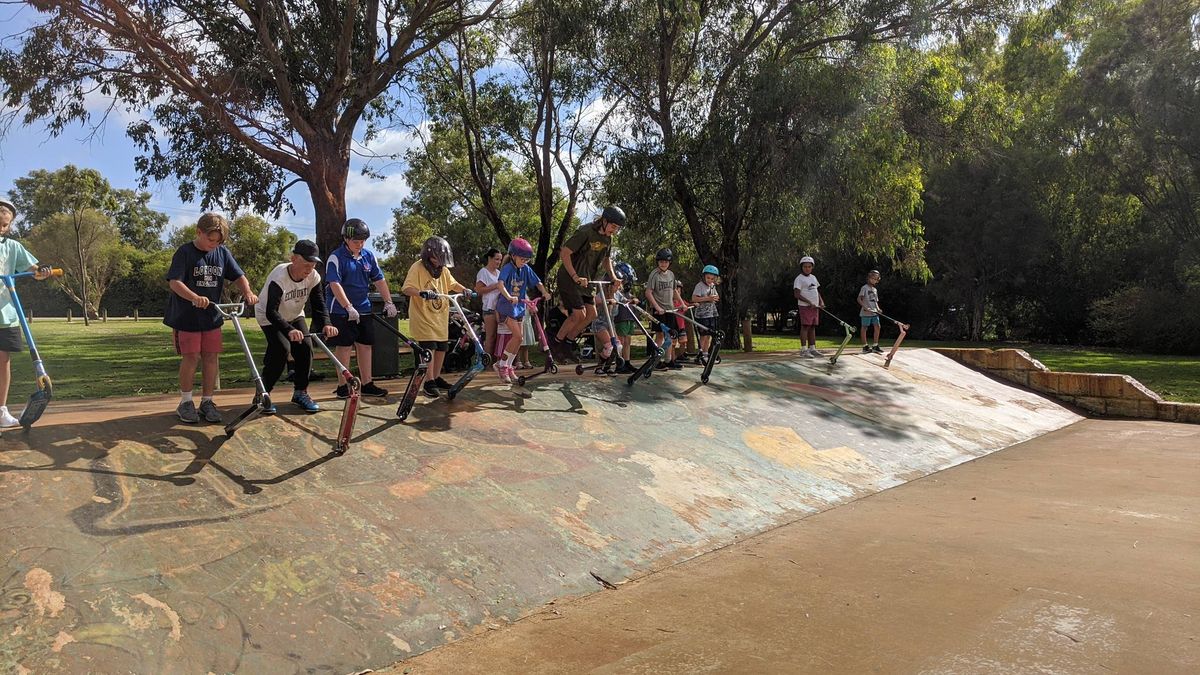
column 573, row 295
column 869, row 321
column 709, row 322
column 361, row 332
column 624, row 328
column 667, row 318
column 11, row 339
column 810, row 316
column 488, row 312
column 434, row 345
column 599, row 324
column 680, row 324
column 197, row 342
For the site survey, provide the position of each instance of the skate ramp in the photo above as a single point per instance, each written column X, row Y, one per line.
column 139, row 544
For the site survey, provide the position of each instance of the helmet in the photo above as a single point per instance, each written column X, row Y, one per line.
column 520, row 247
column 711, row 269
column 613, row 215
column 808, row 259
column 663, row 254
column 439, row 248
column 9, row 205
column 625, row 273
column 355, row 228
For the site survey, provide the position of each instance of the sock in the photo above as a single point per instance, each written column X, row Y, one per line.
column 205, row 398
column 508, row 358
column 185, row 397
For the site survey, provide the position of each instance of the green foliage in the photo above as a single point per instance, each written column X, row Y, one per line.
column 56, row 242
column 258, row 247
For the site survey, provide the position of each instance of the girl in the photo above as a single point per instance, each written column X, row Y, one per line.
column 515, row 279
column 487, row 285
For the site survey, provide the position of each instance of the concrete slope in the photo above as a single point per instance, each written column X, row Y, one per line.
column 139, row 544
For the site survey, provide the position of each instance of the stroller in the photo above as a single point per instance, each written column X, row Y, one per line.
column 462, row 350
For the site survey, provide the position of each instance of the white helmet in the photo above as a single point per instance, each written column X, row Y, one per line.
column 807, row 259
column 9, row 205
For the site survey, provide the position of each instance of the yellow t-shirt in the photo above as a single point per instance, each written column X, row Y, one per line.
column 429, row 319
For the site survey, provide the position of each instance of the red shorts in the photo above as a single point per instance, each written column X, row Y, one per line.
column 810, row 316
column 198, row 342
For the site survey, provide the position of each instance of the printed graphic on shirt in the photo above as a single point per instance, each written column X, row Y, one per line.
column 208, row 276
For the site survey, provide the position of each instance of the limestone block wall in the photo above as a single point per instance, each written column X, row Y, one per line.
column 1099, row 393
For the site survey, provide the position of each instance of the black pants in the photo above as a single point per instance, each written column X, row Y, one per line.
column 275, row 360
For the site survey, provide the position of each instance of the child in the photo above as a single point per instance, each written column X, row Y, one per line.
column 351, row 271
column 623, row 316
column 868, row 302
column 661, row 293
column 808, row 314
column 199, row 270
column 529, row 339
column 683, row 328
column 705, row 298
column 280, row 314
column 13, row 259
column 487, row 285
column 429, row 320
column 583, row 257
column 515, row 278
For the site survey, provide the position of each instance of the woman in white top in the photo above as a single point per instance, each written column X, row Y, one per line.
column 487, row 285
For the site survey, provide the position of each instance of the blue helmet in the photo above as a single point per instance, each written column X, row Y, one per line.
column 711, row 269
column 625, row 273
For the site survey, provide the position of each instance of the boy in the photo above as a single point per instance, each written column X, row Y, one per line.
column 13, row 259
column 280, row 315
column 199, row 270
column 705, row 298
column 584, row 255
column 868, row 303
column 429, row 320
column 351, row 271
column 661, row 293
column 808, row 315
column 623, row 316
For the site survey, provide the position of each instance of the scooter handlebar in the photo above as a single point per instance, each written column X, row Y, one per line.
column 229, row 310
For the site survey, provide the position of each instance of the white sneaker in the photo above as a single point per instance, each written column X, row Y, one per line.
column 6, row 418
column 816, row 354
column 805, row 354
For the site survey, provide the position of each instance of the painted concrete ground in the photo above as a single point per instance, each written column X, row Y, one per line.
column 144, row 545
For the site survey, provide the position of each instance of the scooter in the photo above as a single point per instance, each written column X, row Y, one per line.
column 482, row 359
column 845, row 341
column 713, row 356
column 550, row 366
column 656, row 352
column 887, row 361
column 262, row 400
column 613, row 362
column 40, row 398
column 421, row 355
column 350, row 411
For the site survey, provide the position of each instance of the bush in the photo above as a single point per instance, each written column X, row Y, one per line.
column 1154, row 320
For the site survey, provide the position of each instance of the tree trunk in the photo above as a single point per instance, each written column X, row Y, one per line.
column 327, row 188
column 83, row 280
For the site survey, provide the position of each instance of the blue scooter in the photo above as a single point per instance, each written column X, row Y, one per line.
column 39, row 399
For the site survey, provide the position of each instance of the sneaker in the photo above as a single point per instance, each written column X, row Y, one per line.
column 502, row 372
column 866, row 349
column 662, row 365
column 302, row 399
column 876, row 349
column 675, row 365
column 430, row 390
column 372, row 390
column 626, row 369
column 805, row 354
column 816, row 354
column 527, row 365
column 7, row 420
column 342, row 392
column 187, row 412
column 511, row 373
column 210, row 412
column 441, row 383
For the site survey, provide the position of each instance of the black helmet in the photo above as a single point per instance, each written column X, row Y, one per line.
column 436, row 246
column 663, row 254
column 355, row 228
column 613, row 215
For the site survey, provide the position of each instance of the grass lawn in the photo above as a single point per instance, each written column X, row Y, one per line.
column 125, row 358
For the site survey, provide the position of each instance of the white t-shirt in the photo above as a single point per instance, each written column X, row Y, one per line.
column 292, row 294
column 487, row 278
column 870, row 297
column 807, row 284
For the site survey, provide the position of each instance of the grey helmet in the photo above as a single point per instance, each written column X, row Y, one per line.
column 613, row 215
column 439, row 247
column 355, row 228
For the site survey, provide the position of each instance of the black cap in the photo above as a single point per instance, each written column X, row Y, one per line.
column 307, row 250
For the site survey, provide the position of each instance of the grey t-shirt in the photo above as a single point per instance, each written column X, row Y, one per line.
column 705, row 310
column 870, row 297
column 662, row 287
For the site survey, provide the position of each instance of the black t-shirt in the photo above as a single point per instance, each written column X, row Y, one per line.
column 205, row 274
column 589, row 249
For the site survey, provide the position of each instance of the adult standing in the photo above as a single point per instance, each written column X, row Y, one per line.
column 487, row 285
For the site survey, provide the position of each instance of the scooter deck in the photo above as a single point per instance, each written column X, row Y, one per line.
column 887, row 362
column 249, row 414
column 410, row 393
column 349, row 415
column 714, row 352
column 478, row 366
column 842, row 347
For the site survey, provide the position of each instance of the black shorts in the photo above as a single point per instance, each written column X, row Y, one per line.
column 360, row 332
column 12, row 339
column 434, row 345
column 667, row 318
column 573, row 295
column 709, row 322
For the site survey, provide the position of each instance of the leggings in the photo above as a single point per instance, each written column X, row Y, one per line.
column 275, row 360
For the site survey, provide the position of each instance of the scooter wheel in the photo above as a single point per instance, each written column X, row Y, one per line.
column 450, row 395
column 579, row 369
column 554, row 370
column 704, row 380
column 521, row 381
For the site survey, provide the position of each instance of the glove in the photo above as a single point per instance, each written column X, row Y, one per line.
column 428, row 295
column 389, row 309
column 352, row 314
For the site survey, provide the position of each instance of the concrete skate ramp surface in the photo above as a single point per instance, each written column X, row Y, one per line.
column 144, row 545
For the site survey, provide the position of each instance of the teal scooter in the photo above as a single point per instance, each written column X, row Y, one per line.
column 40, row 398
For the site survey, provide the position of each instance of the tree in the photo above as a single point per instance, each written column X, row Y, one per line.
column 139, row 225
column 89, row 239
column 258, row 247
column 244, row 99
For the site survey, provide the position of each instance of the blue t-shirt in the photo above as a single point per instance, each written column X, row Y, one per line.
column 13, row 260
column 204, row 274
column 517, row 280
column 355, row 274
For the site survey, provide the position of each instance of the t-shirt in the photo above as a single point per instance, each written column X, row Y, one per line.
column 355, row 274
column 870, row 297
column 282, row 299
column 204, row 274
column 623, row 311
column 589, row 249
column 517, row 281
column 13, row 260
column 487, row 278
column 662, row 286
column 429, row 319
column 807, row 284
column 705, row 310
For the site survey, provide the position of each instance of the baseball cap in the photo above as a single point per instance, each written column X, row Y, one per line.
column 307, row 250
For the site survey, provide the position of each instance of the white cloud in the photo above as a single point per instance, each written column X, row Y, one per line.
column 364, row 191
column 393, row 142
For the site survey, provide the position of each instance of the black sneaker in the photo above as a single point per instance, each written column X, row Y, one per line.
column 876, row 349
column 370, row 389
column 441, row 383
column 866, row 349
column 626, row 369
column 675, row 365
column 662, row 365
column 342, row 392
column 430, row 389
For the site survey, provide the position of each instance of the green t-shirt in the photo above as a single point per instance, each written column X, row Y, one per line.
column 589, row 249
column 13, row 259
